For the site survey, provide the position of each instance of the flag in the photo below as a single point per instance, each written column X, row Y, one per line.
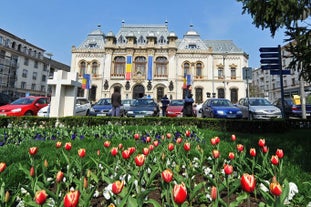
column 185, row 80
column 86, row 81
column 128, row 69
column 149, row 77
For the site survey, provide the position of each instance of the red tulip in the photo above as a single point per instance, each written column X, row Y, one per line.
column 228, row 169
column 213, row 193
column 67, row 146
column 248, row 182
column 40, row 197
column 107, row 144
column 151, row 147
column 71, row 199
column 188, row 133
column 58, row 144
column 275, row 160
column 233, row 137
column 81, row 152
column 98, row 152
column 275, row 187
column 136, row 136
column 179, row 193
column 264, row 149
column 252, row 152
column 216, row 153
column 126, row 154
column 178, row 140
column 261, row 142
column 120, row 146
column 114, row 151
column 59, row 176
column 213, row 141
column 145, row 151
column 170, row 146
column 33, row 150
column 167, row 175
column 140, row 160
column 187, row 146
column 117, row 187
column 168, row 135
column 148, row 139
column 231, row 155
column 279, row 153
column 32, row 171
column 132, row 150
column 240, row 147
column 155, row 143
column 2, row 166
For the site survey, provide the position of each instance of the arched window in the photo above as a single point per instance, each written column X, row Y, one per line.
column 121, row 40
column 221, row 93
column 234, row 95
column 140, row 65
column 160, row 93
column 161, row 67
column 94, row 67
column 119, row 66
column 198, row 69
column 141, row 40
column 82, row 68
column 162, row 40
column 186, row 68
column 13, row 45
column 198, row 95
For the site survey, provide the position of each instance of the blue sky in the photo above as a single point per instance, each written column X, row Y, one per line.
column 57, row 25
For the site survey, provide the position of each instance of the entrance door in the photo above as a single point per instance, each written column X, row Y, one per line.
column 138, row 91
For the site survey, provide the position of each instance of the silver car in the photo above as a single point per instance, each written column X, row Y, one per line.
column 258, row 108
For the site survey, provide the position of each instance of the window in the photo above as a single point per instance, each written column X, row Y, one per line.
column 198, row 95
column 220, row 73
column 221, row 93
column 162, row 40
column 233, row 73
column 26, row 61
column 192, row 46
column 160, row 93
column 141, row 40
column 140, row 65
column 43, row 78
column 24, row 75
column 121, row 40
column 23, row 85
column 234, row 95
column 161, row 66
column 33, row 86
column 43, row 88
column 186, row 68
column 119, row 66
column 198, row 69
column 36, row 64
column 82, row 68
column 1, row 40
column 94, row 68
column 34, row 76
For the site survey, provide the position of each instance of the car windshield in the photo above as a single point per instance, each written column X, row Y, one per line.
column 259, row 102
column 143, row 102
column 104, row 102
column 177, row 103
column 23, row 101
column 221, row 103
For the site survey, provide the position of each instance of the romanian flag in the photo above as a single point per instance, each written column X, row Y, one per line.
column 128, row 69
column 185, row 81
column 86, row 81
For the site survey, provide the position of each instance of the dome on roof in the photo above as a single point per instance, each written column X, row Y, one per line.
column 192, row 32
column 110, row 34
column 172, row 34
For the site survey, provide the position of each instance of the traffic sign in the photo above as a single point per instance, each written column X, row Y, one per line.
column 270, row 58
column 270, row 67
column 269, row 55
column 278, row 72
column 269, row 49
column 269, row 61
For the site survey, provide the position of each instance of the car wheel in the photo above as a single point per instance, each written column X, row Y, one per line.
column 28, row 113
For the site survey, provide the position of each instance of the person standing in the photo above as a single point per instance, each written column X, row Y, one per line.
column 116, row 102
column 165, row 102
column 188, row 103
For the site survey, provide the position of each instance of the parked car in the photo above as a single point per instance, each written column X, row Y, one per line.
column 291, row 109
column 127, row 103
column 143, row 107
column 82, row 108
column 175, row 107
column 26, row 106
column 5, row 99
column 220, row 108
column 101, row 107
column 258, row 108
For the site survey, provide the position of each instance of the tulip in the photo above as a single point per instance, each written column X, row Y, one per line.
column 136, row 136
column 45, row 163
column 120, row 146
column 71, row 199
column 248, row 182
column 7, row 196
column 179, row 193
column 33, row 150
column 261, row 142
column 148, row 139
column 228, row 169
column 213, row 193
column 167, row 175
column 132, row 150
column 155, row 143
column 188, row 133
column 233, row 137
column 81, row 152
column 59, row 176
column 168, row 135
column 216, row 153
column 117, row 187
column 98, row 152
column 240, row 147
column 85, row 182
column 274, row 160
column 145, row 151
column 170, row 146
column 279, row 153
column 275, row 187
column 151, row 147
column 231, row 155
column 2, row 166
column 264, row 149
column 178, row 140
column 187, row 146
column 68, row 146
column 139, row 160
column 126, row 154
column 32, row 171
column 213, row 141
column 40, row 197
column 252, row 152
column 58, row 144
column 107, row 144
column 114, row 151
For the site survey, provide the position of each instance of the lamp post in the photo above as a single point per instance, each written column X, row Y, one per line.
column 47, row 72
column 224, row 56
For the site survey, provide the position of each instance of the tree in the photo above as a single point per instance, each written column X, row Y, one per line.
column 293, row 16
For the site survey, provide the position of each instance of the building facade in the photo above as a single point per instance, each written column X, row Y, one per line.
column 150, row 60
column 24, row 68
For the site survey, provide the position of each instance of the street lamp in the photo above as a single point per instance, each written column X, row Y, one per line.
column 47, row 72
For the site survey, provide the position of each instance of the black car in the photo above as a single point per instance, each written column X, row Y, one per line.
column 143, row 107
column 291, row 109
column 4, row 99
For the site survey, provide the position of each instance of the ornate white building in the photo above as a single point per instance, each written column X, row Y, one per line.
column 150, row 60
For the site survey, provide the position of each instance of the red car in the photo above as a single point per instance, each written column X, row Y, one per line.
column 26, row 106
column 174, row 109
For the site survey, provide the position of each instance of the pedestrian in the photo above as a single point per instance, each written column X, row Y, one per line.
column 165, row 102
column 116, row 102
column 188, row 103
